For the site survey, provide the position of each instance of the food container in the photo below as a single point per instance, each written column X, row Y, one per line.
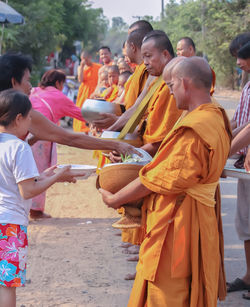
column 92, row 109
column 130, row 138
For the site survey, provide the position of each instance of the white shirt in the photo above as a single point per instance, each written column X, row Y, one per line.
column 16, row 164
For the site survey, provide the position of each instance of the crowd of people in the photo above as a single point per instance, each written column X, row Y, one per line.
column 169, row 106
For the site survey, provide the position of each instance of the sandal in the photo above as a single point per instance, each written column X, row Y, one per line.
column 246, row 296
column 237, row 285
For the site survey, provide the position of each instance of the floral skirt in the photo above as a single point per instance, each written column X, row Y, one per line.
column 13, row 255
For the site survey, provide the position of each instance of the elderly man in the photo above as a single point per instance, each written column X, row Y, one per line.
column 180, row 260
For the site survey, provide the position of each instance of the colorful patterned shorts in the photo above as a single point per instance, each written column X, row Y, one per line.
column 13, row 255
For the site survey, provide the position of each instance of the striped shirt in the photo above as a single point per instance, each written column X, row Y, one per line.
column 242, row 114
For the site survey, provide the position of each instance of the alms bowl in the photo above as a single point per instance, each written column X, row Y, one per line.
column 92, row 109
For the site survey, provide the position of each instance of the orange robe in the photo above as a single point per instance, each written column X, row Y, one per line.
column 160, row 117
column 181, row 256
column 135, row 85
column 87, row 87
column 111, row 93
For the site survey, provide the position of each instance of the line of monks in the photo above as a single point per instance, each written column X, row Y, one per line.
column 169, row 105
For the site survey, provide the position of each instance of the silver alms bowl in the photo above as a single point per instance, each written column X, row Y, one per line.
column 92, row 109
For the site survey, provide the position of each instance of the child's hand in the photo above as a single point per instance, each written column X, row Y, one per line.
column 65, row 174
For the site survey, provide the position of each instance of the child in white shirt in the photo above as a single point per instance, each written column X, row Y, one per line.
column 19, row 182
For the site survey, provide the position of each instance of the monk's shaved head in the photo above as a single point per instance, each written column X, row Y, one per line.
column 161, row 41
column 170, row 66
column 140, row 24
column 195, row 69
column 85, row 54
column 136, row 37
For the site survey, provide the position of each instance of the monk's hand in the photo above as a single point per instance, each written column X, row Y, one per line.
column 109, row 199
column 115, row 157
column 126, row 149
column 106, row 121
column 247, row 161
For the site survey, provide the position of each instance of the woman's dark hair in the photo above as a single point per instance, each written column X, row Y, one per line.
column 244, row 52
column 12, row 103
column 13, row 65
column 51, row 77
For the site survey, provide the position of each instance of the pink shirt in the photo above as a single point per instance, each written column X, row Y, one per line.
column 53, row 104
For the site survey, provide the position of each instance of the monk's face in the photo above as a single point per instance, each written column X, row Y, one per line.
column 184, row 50
column 105, row 56
column 177, row 89
column 123, row 66
column 244, row 64
column 113, row 77
column 153, row 58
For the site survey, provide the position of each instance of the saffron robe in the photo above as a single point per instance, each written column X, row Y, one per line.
column 111, row 93
column 160, row 117
column 181, row 256
column 135, row 85
column 87, row 87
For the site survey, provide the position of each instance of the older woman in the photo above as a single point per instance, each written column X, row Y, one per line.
column 52, row 103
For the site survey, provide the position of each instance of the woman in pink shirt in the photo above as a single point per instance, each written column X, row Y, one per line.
column 52, row 103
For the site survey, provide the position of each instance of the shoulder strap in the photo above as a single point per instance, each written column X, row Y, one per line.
column 136, row 117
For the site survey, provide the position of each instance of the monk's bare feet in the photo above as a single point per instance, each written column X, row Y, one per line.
column 130, row 276
column 132, row 250
column 35, row 215
column 135, row 258
column 118, row 234
column 126, row 245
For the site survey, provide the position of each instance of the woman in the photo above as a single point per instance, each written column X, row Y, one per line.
column 52, row 103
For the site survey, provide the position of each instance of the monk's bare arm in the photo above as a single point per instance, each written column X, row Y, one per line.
column 80, row 72
column 133, row 191
column 44, row 129
column 151, row 148
column 241, row 140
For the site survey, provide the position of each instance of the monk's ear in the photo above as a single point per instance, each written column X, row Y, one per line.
column 133, row 47
column 167, row 55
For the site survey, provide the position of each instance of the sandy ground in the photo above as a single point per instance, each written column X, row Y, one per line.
column 75, row 258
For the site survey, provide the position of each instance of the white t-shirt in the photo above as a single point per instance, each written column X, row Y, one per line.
column 16, row 164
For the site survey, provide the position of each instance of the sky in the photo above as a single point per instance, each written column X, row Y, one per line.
column 128, row 8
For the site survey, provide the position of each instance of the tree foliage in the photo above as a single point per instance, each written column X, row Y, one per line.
column 212, row 24
column 52, row 25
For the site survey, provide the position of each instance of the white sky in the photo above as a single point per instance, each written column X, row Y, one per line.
column 128, row 8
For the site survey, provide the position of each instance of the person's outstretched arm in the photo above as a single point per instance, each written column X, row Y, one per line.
column 44, row 129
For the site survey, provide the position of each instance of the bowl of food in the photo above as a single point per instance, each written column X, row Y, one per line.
column 113, row 177
column 75, row 169
column 92, row 109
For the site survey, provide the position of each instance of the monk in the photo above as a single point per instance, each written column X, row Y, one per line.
column 111, row 93
column 88, row 78
column 138, row 80
column 102, row 85
column 123, row 66
column 186, row 47
column 105, row 56
column 180, row 260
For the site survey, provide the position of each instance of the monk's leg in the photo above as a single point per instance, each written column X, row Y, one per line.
column 166, row 291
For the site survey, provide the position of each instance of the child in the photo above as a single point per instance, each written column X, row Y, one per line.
column 110, row 94
column 20, row 181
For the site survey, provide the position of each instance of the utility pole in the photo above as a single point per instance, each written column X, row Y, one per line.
column 162, row 9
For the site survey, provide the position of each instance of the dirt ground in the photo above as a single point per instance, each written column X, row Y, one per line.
column 75, row 258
